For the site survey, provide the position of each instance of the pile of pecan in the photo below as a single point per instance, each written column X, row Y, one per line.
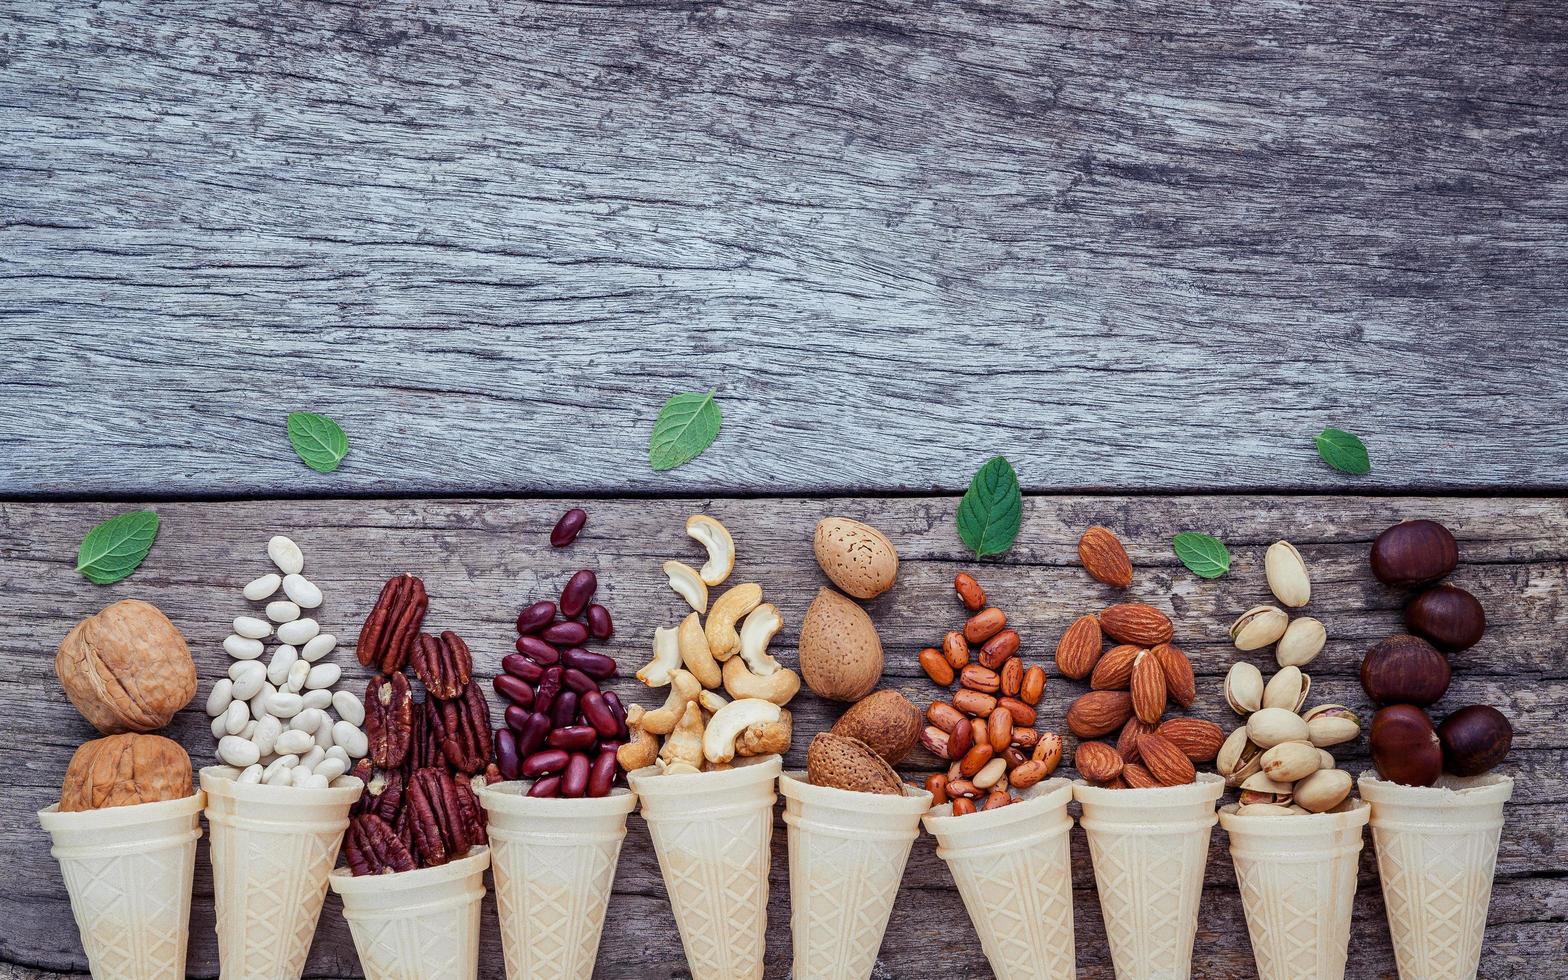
column 419, row 808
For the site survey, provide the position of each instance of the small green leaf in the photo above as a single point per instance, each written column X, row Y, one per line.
column 113, row 549
column 1206, row 556
column 687, row 424
column 992, row 510
column 318, row 440
column 1343, row 451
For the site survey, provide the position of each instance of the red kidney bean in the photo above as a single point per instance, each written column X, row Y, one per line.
column 564, row 711
column 579, row 589
column 566, row 529
column 531, row 734
column 602, row 775
column 565, row 634
column 535, row 617
column 574, row 781
column 522, row 668
column 599, row 622
column 578, row 681
column 514, row 690
column 517, row 718
column 543, row 761
column 575, row 737
column 546, row 788
column 619, row 711
column 595, row 665
column 538, row 651
column 598, row 714
column 506, row 757
column 547, row 691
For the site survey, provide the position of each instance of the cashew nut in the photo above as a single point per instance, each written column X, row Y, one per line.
column 721, row 547
column 676, row 768
column 685, row 743
column 684, row 689
column 640, row 752
column 723, row 641
column 718, row 742
column 666, row 657
column 685, row 581
column 755, row 635
column 694, row 652
column 767, row 739
column 778, row 687
column 711, row 701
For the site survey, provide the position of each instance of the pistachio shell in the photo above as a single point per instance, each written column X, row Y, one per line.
column 1269, row 727
column 1244, row 688
column 1290, row 761
column 1323, row 790
column 1325, row 758
column 1231, row 753
column 1287, row 574
column 1284, row 689
column 1329, row 730
column 1303, row 640
column 1262, row 783
column 1258, row 627
column 1251, row 764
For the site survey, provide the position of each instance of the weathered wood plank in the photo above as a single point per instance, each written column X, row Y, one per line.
column 1152, row 248
column 483, row 559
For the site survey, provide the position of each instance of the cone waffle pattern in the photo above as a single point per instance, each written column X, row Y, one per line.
column 1149, row 888
column 133, row 911
column 552, row 899
column 434, row 944
column 842, row 891
column 1437, row 887
column 268, row 888
column 1021, row 903
column 1298, row 905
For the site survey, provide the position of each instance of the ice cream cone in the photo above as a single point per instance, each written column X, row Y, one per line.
column 417, row 925
column 554, row 862
column 128, row 871
column 711, row 832
column 1297, row 877
column 846, row 859
column 1149, row 848
column 1014, row 870
column 272, row 847
column 1436, row 851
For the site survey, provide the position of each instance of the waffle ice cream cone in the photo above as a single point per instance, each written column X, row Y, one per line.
column 711, row 832
column 1149, row 848
column 1013, row 867
column 1436, row 851
column 272, row 847
column 417, row 925
column 1297, row 877
column 554, row 862
column 128, row 872
column 846, row 859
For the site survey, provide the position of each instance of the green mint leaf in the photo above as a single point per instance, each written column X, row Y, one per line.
column 687, row 424
column 1206, row 556
column 113, row 549
column 992, row 509
column 1343, row 451
column 318, row 440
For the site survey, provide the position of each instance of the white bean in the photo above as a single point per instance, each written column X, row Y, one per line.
column 302, row 590
column 351, row 738
column 248, row 676
column 349, row 707
column 307, row 720
column 252, row 628
column 299, row 631
column 267, row 731
column 315, row 781
column 261, row 588
column 285, row 705
column 242, row 647
column 258, row 704
column 318, row 699
column 324, row 733
column 336, row 752
column 286, row 555
column 282, row 763
column 235, row 718
column 283, row 658
column 294, row 742
column 222, row 694
column 282, row 611
column 323, row 675
column 330, row 768
column 252, row 774
column 279, row 777
column 318, row 647
column 248, row 732
column 220, row 724
column 237, row 752
column 298, row 671
column 344, row 782
column 313, row 758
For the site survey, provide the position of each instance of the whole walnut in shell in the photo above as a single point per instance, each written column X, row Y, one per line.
column 126, row 668
column 123, row 770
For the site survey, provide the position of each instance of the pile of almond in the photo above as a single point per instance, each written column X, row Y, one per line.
column 1132, row 684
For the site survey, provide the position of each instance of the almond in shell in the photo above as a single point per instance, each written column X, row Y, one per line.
column 856, row 556
column 1135, row 622
column 840, row 652
column 1104, row 558
column 849, row 763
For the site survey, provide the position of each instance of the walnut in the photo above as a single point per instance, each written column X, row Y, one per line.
column 127, row 668
column 122, row 770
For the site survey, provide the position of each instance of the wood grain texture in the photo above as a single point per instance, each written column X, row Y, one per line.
column 1154, row 247
column 482, row 560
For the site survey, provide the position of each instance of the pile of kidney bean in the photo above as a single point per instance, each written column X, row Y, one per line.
column 561, row 729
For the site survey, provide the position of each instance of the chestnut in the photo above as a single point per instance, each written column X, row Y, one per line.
column 1405, row 749
column 1448, row 616
column 1414, row 553
column 1405, row 670
column 1474, row 739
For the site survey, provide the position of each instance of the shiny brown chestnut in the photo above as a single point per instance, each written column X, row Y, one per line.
column 1414, row 553
column 1474, row 739
column 1450, row 617
column 1405, row 670
column 1405, row 749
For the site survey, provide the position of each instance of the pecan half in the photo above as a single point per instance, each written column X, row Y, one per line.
column 387, row 638
column 442, row 828
column 389, row 721
column 428, row 727
column 444, row 664
column 383, row 795
column 463, row 726
column 473, row 813
column 372, row 847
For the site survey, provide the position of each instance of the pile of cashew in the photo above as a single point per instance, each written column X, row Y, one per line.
column 702, row 730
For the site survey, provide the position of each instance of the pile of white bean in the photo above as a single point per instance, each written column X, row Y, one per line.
column 272, row 719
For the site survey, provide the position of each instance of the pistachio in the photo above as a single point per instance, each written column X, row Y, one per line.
column 1249, row 797
column 1287, row 689
column 1298, row 808
column 1303, row 641
column 1258, row 627
column 1261, row 783
column 1269, row 727
column 1290, row 761
column 1287, row 574
column 1331, row 724
column 1325, row 758
column 1251, row 764
column 1231, row 752
column 1323, row 790
column 1244, row 688
column 1262, row 810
